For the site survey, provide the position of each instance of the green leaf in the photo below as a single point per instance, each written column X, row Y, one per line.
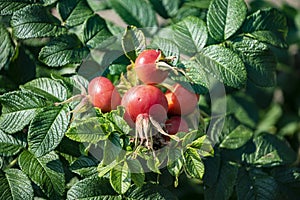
column 133, row 42
column 175, row 163
column 255, row 184
column 223, row 187
column 6, row 84
column 35, row 21
column 7, row 47
column 18, row 109
column 153, row 164
column 203, row 146
column 74, row 12
column 46, row 172
column 84, row 166
column 136, row 171
column 120, row 178
column 48, row 88
column 270, row 151
column 8, row 7
column 237, row 138
column 92, row 188
column 89, row 130
column 11, row 144
column 96, row 33
column 193, row 163
column 223, row 64
column 14, row 184
column 270, row 118
column 259, row 61
column 287, row 176
column 118, row 122
column 195, row 76
column 166, row 8
column 48, row 2
column 104, row 169
column 190, row 34
column 150, row 192
column 244, row 108
column 268, row 26
column 112, row 149
column 138, row 13
column 225, row 17
column 168, row 47
column 47, row 129
column 66, row 49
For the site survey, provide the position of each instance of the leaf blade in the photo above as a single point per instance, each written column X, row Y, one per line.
column 47, row 88
column 7, row 46
column 190, row 34
column 225, row 17
column 66, row 49
column 38, row 22
column 14, row 184
column 237, row 138
column 19, row 108
column 46, row 171
column 223, row 64
column 47, row 129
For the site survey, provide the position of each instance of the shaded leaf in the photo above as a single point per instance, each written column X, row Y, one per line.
column 66, row 49
column 270, row 118
column 270, row 151
column 223, row 187
column 268, row 26
column 84, row 166
column 6, row 45
column 35, row 21
column 255, row 184
column 47, row 129
column 136, row 171
column 11, row 144
column 237, row 138
column 225, row 17
column 46, row 172
column 14, row 184
column 18, row 109
column 259, row 61
column 150, row 192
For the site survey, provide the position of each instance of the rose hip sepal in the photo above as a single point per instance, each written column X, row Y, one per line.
column 145, row 107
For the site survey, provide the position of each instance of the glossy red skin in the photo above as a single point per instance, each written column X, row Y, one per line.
column 145, row 99
column 176, row 124
column 181, row 101
column 146, row 68
column 103, row 94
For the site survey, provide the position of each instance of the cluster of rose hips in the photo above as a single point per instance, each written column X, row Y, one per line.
column 146, row 103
